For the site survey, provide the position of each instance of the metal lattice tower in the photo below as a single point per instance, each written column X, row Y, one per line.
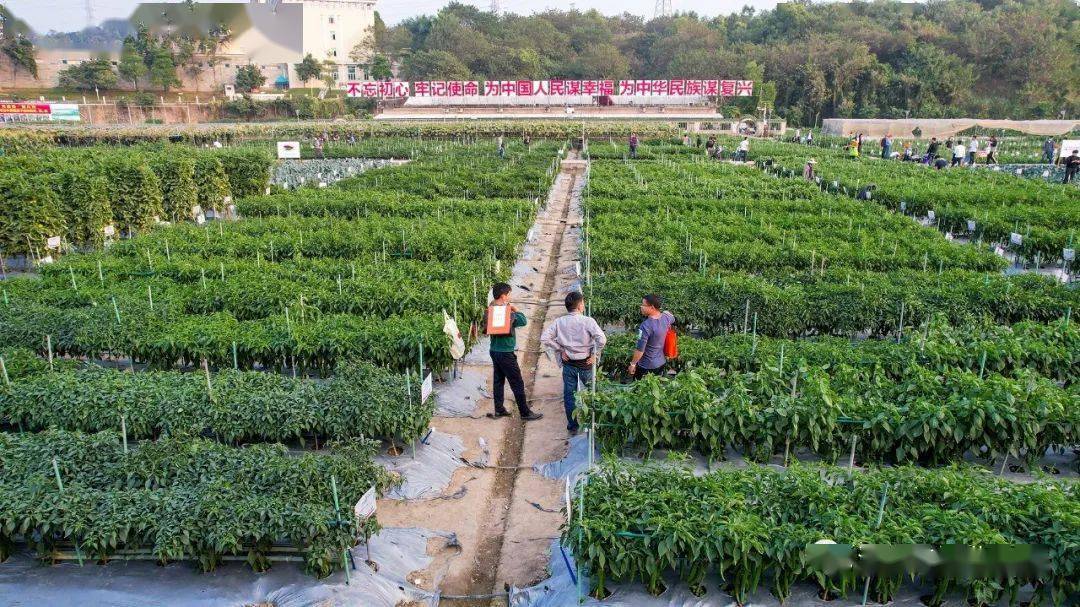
column 495, row 6
column 663, row 9
column 89, row 13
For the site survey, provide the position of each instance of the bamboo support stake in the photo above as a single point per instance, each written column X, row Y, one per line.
column 4, row 373
column 150, row 296
column 100, row 275
column 71, row 271
column 209, row 386
column 48, row 347
column 235, row 358
column 123, row 431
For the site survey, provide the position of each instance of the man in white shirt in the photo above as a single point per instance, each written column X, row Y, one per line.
column 973, row 148
column 577, row 341
column 958, row 153
column 744, row 149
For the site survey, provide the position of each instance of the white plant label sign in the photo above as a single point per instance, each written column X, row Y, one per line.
column 53, row 242
column 1016, row 239
column 109, row 230
column 288, row 150
column 426, row 388
column 365, row 507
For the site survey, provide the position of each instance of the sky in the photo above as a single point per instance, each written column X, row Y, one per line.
column 71, row 15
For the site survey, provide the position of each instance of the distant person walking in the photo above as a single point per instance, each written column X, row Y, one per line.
column 1048, row 149
column 886, row 147
column 1072, row 166
column 503, row 360
column 710, row 143
column 810, row 138
column 858, row 138
column 502, row 147
column 577, row 341
column 648, row 357
column 991, row 150
column 744, row 150
column 973, row 149
column 853, row 148
column 932, row 150
column 958, row 153
column 808, row 170
column 318, row 145
column 633, row 145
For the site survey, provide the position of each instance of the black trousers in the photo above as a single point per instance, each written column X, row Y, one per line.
column 640, row 372
column 505, row 366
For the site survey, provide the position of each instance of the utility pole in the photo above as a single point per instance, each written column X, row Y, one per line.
column 663, row 9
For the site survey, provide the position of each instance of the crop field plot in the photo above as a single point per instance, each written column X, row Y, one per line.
column 886, row 373
column 154, row 365
column 211, row 366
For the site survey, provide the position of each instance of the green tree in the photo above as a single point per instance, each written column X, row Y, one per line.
column 131, row 68
column 308, row 69
column 379, row 68
column 434, row 65
column 20, row 51
column 89, row 75
column 163, row 70
column 249, row 78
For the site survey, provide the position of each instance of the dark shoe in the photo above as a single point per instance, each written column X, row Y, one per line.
column 531, row 416
column 499, row 414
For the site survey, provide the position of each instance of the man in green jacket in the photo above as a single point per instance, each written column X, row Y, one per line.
column 504, row 362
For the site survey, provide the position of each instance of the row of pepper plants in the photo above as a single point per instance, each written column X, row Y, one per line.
column 745, row 529
column 345, row 287
column 811, row 322
column 986, row 206
column 181, row 498
column 77, row 193
column 37, row 138
column 360, row 400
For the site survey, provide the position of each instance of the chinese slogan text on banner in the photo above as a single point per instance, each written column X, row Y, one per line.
column 534, row 88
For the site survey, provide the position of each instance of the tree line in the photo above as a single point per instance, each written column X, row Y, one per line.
column 942, row 58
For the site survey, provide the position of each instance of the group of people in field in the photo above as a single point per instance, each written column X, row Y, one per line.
column 575, row 342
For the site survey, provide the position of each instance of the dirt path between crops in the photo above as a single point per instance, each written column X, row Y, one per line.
column 501, row 536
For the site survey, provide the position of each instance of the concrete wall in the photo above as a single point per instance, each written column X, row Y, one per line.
column 932, row 127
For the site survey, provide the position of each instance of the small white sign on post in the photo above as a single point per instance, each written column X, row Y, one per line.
column 53, row 242
column 426, row 388
column 196, row 211
column 365, row 507
column 200, row 219
column 1068, row 254
column 288, row 150
column 948, row 236
column 903, row 206
column 109, row 230
column 971, row 225
column 1016, row 239
column 931, row 215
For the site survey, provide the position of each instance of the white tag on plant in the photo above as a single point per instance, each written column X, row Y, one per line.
column 365, row 506
column 1016, row 239
column 53, row 242
column 109, row 230
column 426, row 388
column 1068, row 254
column 971, row 225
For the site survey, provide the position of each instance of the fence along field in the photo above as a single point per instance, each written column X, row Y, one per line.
column 816, row 324
column 142, row 364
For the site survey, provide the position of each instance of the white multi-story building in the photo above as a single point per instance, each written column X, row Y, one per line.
column 277, row 34
column 274, row 35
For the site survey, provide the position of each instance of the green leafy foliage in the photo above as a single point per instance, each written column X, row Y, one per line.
column 180, row 498
column 752, row 525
